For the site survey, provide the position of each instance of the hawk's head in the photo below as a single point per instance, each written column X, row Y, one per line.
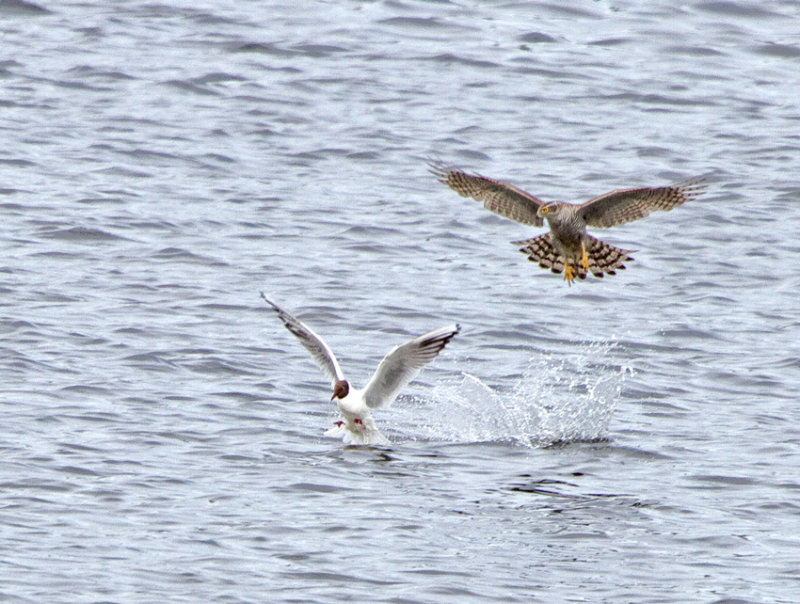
column 549, row 210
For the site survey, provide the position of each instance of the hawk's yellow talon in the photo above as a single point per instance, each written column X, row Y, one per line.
column 569, row 274
column 584, row 257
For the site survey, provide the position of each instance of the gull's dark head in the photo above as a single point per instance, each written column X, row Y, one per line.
column 340, row 389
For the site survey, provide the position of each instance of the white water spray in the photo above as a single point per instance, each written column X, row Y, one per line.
column 561, row 397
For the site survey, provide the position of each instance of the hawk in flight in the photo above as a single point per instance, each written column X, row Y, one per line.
column 568, row 247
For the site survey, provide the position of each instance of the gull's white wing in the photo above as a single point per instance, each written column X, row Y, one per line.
column 403, row 363
column 323, row 355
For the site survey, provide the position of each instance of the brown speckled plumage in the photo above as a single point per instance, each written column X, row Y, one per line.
column 603, row 258
column 568, row 247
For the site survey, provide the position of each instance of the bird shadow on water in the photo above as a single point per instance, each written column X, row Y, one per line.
column 559, row 399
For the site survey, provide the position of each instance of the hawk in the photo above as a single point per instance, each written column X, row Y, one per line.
column 568, row 247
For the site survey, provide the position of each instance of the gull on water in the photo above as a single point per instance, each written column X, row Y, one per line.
column 400, row 365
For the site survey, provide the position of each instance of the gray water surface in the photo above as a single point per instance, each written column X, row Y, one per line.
column 631, row 439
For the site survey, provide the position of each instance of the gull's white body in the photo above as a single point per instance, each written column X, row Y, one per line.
column 395, row 371
column 358, row 426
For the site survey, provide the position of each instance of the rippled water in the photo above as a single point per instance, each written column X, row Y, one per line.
column 632, row 439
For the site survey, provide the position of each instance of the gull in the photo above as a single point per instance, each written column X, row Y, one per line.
column 400, row 365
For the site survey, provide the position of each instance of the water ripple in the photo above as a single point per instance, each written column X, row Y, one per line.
column 163, row 434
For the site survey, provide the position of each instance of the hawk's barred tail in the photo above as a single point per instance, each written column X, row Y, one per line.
column 539, row 249
column 606, row 258
column 603, row 258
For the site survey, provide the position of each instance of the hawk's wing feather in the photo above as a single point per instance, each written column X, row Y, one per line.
column 627, row 205
column 497, row 196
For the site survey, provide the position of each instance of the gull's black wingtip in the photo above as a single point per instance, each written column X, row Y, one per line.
column 270, row 302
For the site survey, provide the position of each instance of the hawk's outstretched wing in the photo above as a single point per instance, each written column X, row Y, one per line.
column 627, row 205
column 497, row 196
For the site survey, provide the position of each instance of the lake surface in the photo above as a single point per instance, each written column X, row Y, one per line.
column 630, row 439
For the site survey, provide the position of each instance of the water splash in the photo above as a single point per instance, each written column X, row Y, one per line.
column 561, row 397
